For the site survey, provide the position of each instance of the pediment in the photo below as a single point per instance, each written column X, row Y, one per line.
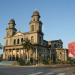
column 19, row 34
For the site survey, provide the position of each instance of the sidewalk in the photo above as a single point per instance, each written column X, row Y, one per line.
column 49, row 66
column 39, row 65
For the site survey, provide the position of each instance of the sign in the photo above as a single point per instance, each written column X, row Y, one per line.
column 71, row 48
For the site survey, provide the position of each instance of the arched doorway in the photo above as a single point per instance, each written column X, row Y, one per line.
column 17, row 57
column 8, row 58
column 13, row 58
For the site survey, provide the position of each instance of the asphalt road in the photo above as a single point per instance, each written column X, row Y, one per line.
column 14, row 70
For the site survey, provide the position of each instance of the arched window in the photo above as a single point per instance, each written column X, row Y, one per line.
column 55, row 46
column 32, row 39
column 40, row 39
column 6, row 42
column 17, row 41
column 40, row 29
column 60, row 53
column 21, row 39
column 14, row 41
column 32, row 28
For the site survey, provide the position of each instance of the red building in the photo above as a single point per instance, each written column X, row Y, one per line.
column 71, row 49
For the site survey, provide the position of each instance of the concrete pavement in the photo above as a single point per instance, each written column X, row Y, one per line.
column 16, row 70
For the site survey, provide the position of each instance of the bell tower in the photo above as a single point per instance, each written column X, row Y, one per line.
column 11, row 30
column 35, row 23
column 36, row 27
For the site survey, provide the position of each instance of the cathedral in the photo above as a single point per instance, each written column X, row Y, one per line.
column 43, row 49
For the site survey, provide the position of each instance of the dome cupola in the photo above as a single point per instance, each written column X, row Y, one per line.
column 36, row 13
column 12, row 21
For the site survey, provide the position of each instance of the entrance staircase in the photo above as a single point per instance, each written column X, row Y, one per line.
column 7, row 62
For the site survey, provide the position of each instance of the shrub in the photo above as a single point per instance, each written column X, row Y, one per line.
column 45, row 62
column 21, row 61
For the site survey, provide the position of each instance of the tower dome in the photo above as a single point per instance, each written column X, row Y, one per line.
column 36, row 13
column 12, row 21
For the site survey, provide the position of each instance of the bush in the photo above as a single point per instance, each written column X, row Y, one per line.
column 31, row 60
column 27, row 63
column 21, row 61
column 15, row 63
column 45, row 62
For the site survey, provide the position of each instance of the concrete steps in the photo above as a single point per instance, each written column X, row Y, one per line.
column 7, row 62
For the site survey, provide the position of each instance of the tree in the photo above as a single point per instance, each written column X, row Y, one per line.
column 27, row 46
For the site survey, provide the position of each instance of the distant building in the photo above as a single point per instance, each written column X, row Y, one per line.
column 71, row 47
column 56, row 43
column 13, row 41
column 14, row 50
column 57, row 52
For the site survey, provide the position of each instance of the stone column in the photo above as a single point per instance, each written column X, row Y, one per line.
column 27, row 56
column 36, row 54
column 4, row 57
column 7, row 54
column 19, row 53
column 11, row 54
column 15, row 53
column 23, row 53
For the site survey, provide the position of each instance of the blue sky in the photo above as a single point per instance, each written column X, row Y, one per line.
column 58, row 17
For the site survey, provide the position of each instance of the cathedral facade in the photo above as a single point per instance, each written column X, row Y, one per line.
column 13, row 41
column 43, row 49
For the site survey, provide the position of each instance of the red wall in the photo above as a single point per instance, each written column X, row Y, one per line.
column 71, row 48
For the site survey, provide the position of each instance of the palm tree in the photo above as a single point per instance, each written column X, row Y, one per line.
column 27, row 46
